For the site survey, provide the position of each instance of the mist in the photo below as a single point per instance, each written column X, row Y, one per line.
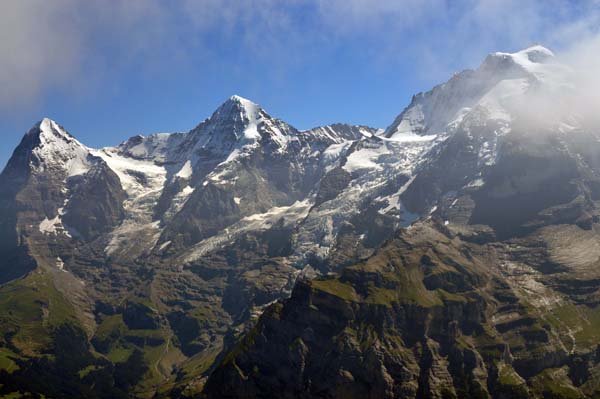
column 566, row 94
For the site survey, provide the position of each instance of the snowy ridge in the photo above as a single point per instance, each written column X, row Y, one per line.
column 158, row 147
column 368, row 168
column 338, row 133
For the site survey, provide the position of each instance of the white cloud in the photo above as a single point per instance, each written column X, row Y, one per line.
column 63, row 44
column 32, row 41
column 52, row 44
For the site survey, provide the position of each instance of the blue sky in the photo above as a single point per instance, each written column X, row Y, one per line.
column 109, row 70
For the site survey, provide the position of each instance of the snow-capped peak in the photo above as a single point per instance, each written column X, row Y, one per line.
column 536, row 54
column 49, row 128
column 244, row 101
column 488, row 92
column 237, row 123
column 237, row 108
column 535, row 62
column 240, row 104
column 57, row 149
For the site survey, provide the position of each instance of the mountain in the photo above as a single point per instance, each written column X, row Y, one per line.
column 492, row 289
column 153, row 250
column 452, row 254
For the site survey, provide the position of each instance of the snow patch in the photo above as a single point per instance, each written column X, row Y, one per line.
column 164, row 245
column 479, row 182
column 55, row 225
column 49, row 226
column 408, row 137
column 186, row 170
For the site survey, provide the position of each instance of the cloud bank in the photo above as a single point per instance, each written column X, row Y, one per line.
column 69, row 45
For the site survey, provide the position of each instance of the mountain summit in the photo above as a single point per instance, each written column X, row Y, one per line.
column 494, row 91
column 58, row 149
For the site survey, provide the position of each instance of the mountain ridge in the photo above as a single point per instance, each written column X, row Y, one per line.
column 161, row 253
